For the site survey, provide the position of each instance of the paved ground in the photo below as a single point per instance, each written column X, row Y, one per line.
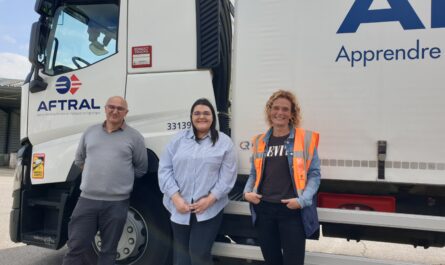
column 27, row 255
column 19, row 254
column 5, row 207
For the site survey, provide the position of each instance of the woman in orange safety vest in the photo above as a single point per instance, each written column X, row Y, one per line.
column 283, row 183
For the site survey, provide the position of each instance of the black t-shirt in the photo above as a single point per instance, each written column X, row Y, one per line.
column 276, row 184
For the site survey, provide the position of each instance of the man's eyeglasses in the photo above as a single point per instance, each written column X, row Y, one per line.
column 113, row 108
column 199, row 113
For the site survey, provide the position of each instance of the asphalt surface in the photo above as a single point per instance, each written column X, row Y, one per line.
column 28, row 255
column 20, row 254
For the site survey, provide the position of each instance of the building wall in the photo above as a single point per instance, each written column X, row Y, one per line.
column 14, row 132
column 10, row 96
column 4, row 158
column 11, row 144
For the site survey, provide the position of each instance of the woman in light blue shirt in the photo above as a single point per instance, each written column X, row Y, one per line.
column 196, row 173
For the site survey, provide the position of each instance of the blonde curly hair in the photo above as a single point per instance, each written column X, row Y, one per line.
column 295, row 107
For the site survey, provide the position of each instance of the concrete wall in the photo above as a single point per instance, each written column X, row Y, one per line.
column 9, row 136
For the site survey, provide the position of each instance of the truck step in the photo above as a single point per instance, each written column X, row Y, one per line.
column 36, row 229
column 45, row 202
column 42, row 238
column 253, row 253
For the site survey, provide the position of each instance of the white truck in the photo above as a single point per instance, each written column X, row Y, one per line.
column 368, row 74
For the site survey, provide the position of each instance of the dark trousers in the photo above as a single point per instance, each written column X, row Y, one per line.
column 193, row 243
column 280, row 233
column 90, row 216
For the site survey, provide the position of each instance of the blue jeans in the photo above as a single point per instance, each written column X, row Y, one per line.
column 193, row 243
column 280, row 234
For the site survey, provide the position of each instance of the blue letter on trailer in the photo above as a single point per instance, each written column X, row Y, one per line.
column 438, row 14
column 400, row 10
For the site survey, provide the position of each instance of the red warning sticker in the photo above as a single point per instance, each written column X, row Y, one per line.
column 141, row 56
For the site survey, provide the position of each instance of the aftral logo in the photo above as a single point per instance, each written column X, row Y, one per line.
column 65, row 84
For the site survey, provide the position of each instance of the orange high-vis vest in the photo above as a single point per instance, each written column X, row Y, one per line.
column 305, row 143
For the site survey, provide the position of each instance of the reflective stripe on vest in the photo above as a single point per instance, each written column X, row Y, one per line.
column 258, row 154
column 305, row 143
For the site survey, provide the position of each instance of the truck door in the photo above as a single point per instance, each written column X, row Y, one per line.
column 84, row 63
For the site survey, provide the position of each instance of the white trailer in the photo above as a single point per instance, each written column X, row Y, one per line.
column 367, row 75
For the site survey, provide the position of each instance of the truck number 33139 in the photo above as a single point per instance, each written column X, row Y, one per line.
column 179, row 125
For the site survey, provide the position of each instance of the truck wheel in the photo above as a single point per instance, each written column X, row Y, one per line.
column 146, row 238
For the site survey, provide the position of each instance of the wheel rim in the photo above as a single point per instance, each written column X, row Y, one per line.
column 133, row 242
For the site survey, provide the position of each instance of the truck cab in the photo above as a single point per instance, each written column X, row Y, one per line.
column 160, row 56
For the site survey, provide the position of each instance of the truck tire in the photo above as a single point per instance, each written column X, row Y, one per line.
column 146, row 239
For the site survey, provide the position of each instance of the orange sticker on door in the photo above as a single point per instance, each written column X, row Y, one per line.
column 38, row 166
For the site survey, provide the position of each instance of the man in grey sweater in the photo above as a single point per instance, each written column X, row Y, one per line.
column 111, row 155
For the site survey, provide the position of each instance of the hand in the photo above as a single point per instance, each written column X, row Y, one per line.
column 202, row 204
column 291, row 203
column 181, row 205
column 252, row 197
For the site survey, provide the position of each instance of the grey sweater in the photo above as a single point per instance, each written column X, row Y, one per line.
column 110, row 162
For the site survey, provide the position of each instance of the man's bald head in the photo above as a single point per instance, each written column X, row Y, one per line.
column 117, row 99
column 115, row 110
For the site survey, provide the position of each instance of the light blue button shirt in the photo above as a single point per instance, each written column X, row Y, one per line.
column 195, row 170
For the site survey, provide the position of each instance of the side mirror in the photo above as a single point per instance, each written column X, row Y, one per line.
column 37, row 84
column 36, row 48
column 45, row 7
column 35, row 45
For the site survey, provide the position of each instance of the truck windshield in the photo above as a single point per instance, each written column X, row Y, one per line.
column 81, row 35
